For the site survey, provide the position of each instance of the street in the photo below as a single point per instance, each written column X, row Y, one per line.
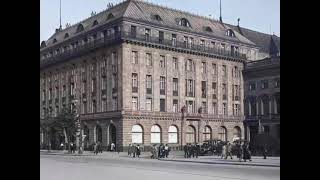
column 54, row 167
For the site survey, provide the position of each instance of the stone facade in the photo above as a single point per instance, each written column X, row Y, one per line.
column 105, row 69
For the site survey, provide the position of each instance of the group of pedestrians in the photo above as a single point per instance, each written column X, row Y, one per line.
column 160, row 152
column 226, row 151
column 97, row 148
column 243, row 151
column 134, row 150
column 191, row 150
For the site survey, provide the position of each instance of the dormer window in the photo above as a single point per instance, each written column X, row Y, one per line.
column 208, row 29
column 157, row 17
column 230, row 33
column 184, row 22
column 95, row 22
column 80, row 28
column 110, row 16
column 43, row 44
column 54, row 40
column 66, row 35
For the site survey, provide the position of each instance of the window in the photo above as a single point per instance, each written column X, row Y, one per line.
column 114, row 103
column 224, row 70
column 223, row 133
column 214, row 90
column 162, row 61
column 93, row 86
column 175, row 106
column 134, row 82
column 174, row 39
column 224, row 91
column 104, row 105
column 173, row 134
column 202, row 44
column 214, row 108
column 190, row 134
column 203, row 89
column 189, row 65
column 134, row 57
column 203, row 67
column 223, row 48
column 162, row 85
column 214, row 68
column 190, row 106
column 208, row 29
column 162, row 105
column 155, row 134
column 133, row 31
column 161, row 37
column 149, row 84
column 266, row 129
column 185, row 41
column 66, row 35
column 175, row 86
column 230, row 33
column 236, row 109
column 94, row 106
column 235, row 72
column 95, row 22
column 252, row 86
column 264, row 84
column 137, row 134
column 149, row 59
column 149, row 104
column 190, row 42
column 184, row 22
column 207, row 133
column 134, row 103
column 236, row 133
column 114, row 58
column 277, row 83
column 103, row 84
column 175, row 63
column 80, row 28
column 224, row 109
column 50, row 94
column 204, row 107
column 110, row 16
column 236, row 93
column 157, row 17
column 147, row 34
column 189, row 87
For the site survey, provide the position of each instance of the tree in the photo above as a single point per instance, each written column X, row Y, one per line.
column 46, row 124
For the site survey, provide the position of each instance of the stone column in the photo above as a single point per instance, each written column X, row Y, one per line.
column 249, row 107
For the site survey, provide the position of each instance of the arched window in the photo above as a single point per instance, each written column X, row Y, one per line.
column 80, row 28
column 66, row 35
column 236, row 133
column 43, row 44
column 155, row 134
column 230, row 33
column 54, row 40
column 184, row 22
column 207, row 133
column 173, row 134
column 190, row 134
column 110, row 16
column 137, row 134
column 223, row 133
column 98, row 134
column 157, row 17
column 95, row 22
column 208, row 29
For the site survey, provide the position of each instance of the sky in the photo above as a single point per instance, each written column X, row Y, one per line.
column 258, row 15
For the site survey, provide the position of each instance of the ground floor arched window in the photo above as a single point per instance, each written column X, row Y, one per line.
column 98, row 134
column 207, row 133
column 236, row 133
column 137, row 134
column 155, row 134
column 223, row 133
column 190, row 134
column 173, row 134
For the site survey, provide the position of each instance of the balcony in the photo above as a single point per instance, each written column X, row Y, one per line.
column 88, row 47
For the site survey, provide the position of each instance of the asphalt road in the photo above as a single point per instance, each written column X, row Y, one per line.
column 113, row 168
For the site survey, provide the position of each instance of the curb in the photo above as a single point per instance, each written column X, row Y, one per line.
column 201, row 162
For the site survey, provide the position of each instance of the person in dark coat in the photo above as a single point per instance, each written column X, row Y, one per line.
column 185, row 148
column 265, row 152
column 129, row 150
column 138, row 151
column 166, row 150
column 197, row 150
column 134, row 150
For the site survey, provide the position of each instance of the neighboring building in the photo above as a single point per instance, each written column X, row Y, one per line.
column 262, row 97
column 269, row 45
column 136, row 65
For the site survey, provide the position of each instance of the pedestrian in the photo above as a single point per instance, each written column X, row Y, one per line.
column 185, row 148
column 240, row 152
column 100, row 147
column 112, row 147
column 166, row 149
column 61, row 146
column 265, row 152
column 223, row 153
column 228, row 151
column 129, row 150
column 95, row 148
column 197, row 150
column 134, row 150
column 138, row 151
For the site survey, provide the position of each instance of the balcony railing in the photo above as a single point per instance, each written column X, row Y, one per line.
column 127, row 36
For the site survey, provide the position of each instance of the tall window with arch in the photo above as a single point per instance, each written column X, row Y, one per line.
column 155, row 134
column 137, row 134
column 172, row 134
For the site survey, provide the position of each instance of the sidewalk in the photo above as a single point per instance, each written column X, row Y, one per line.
column 176, row 156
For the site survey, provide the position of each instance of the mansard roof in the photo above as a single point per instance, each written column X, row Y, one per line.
column 267, row 43
column 144, row 12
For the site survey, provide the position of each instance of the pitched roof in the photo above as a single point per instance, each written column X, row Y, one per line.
column 144, row 11
column 268, row 43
